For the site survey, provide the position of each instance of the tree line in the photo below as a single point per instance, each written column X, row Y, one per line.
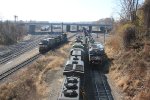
column 11, row 32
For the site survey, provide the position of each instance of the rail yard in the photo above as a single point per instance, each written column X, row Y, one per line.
column 75, row 50
column 20, row 55
column 77, row 70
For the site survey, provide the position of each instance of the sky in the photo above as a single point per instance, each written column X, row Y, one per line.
column 57, row 10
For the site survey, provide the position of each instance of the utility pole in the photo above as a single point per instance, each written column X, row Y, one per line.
column 16, row 17
column 62, row 27
column 1, row 23
column 51, row 28
column 105, row 33
column 97, row 32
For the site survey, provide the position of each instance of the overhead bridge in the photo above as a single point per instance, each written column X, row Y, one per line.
column 68, row 27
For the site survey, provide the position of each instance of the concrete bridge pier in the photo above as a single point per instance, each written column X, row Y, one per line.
column 32, row 29
column 90, row 29
column 68, row 28
column 51, row 28
column 77, row 28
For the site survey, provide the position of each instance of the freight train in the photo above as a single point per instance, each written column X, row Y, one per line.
column 84, row 50
column 52, row 42
column 74, row 72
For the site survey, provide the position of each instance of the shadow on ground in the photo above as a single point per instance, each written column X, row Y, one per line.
column 95, row 81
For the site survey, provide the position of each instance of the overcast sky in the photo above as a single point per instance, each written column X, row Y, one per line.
column 57, row 10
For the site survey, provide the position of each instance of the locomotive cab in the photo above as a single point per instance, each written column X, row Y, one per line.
column 51, row 42
column 43, row 46
column 96, row 53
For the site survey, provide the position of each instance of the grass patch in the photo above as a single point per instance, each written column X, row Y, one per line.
column 29, row 83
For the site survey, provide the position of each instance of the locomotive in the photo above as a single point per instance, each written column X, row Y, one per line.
column 96, row 53
column 52, row 42
column 74, row 68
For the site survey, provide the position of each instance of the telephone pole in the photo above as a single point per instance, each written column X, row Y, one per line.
column 62, row 27
column 16, row 17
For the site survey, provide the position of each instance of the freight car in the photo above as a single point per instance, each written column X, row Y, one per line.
column 78, row 52
column 78, row 45
column 70, row 89
column 74, row 68
column 74, row 73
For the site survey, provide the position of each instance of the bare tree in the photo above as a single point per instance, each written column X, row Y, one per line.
column 147, row 13
column 10, row 33
column 146, row 9
column 129, row 9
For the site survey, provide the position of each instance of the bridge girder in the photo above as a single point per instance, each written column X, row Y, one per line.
column 68, row 25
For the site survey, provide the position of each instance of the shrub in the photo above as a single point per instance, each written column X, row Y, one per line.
column 10, row 32
column 128, row 35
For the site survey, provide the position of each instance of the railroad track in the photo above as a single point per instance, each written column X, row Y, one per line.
column 20, row 50
column 97, row 87
column 17, row 47
column 101, row 87
column 12, row 70
column 28, row 61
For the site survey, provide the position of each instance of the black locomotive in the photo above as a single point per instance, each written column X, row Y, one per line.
column 52, row 42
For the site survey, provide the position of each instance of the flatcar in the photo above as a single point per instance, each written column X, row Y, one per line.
column 78, row 45
column 74, row 68
column 70, row 89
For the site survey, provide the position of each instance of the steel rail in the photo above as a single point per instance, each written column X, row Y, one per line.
column 17, row 67
column 12, row 70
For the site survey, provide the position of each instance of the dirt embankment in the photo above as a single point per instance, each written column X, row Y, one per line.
column 130, row 69
column 40, row 80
